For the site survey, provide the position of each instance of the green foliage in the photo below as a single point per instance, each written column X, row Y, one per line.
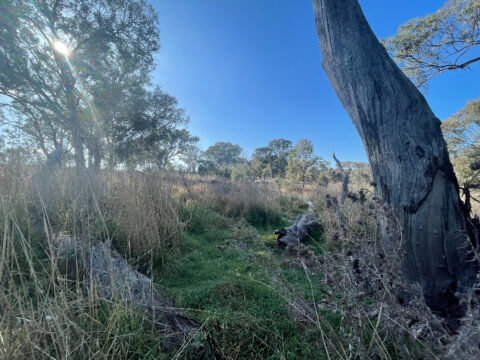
column 190, row 155
column 272, row 159
column 148, row 133
column 462, row 134
column 224, row 154
column 303, row 165
column 92, row 91
column 359, row 172
column 241, row 173
column 443, row 41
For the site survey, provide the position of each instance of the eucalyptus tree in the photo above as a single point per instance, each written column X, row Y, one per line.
column 272, row 159
column 149, row 131
column 67, row 65
column 407, row 153
column 446, row 40
column 224, row 154
column 462, row 133
column 303, row 164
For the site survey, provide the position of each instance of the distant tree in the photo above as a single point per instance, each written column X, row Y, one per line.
column 318, row 170
column 280, row 149
column 323, row 179
column 224, row 154
column 58, row 56
column 256, row 168
column 462, row 133
column 207, row 167
column 150, row 133
column 302, row 163
column 261, row 158
column 267, row 172
column 191, row 156
column 443, row 41
column 359, row 172
column 274, row 156
column 241, row 173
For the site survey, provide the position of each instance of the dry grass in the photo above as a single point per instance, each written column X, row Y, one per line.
column 364, row 287
column 46, row 315
column 43, row 315
column 145, row 213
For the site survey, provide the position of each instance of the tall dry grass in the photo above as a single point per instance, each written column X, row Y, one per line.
column 45, row 314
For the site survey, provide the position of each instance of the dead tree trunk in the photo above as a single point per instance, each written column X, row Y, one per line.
column 407, row 152
column 345, row 180
column 299, row 231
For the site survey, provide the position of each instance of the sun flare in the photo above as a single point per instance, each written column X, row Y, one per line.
column 61, row 48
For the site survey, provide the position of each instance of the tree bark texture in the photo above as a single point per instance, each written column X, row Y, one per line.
column 345, row 180
column 299, row 231
column 406, row 150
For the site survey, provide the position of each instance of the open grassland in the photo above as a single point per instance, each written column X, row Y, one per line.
column 208, row 244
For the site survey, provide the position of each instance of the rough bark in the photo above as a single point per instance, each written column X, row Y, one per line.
column 107, row 274
column 406, row 150
column 345, row 180
column 299, row 231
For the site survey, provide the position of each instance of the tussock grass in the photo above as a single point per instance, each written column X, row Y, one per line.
column 208, row 244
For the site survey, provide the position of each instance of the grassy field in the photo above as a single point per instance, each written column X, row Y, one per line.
column 209, row 245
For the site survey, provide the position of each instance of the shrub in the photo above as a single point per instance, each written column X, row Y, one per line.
column 241, row 173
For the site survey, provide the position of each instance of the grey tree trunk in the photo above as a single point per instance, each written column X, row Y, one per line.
column 345, row 180
column 406, row 150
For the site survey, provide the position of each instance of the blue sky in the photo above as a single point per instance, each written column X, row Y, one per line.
column 249, row 71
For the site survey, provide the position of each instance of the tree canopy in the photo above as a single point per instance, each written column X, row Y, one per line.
column 443, row 41
column 303, row 164
column 462, row 134
column 224, row 154
column 272, row 159
column 76, row 74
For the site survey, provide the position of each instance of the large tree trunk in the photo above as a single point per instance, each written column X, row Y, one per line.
column 79, row 152
column 407, row 152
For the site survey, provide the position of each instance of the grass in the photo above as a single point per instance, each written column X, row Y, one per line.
column 209, row 245
column 232, row 291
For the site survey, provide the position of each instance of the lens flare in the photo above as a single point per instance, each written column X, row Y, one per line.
column 61, row 48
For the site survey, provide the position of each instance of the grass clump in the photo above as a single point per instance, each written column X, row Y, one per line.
column 263, row 217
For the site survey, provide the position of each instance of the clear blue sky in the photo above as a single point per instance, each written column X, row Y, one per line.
column 249, row 71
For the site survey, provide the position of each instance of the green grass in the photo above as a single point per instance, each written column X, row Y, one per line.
column 231, row 291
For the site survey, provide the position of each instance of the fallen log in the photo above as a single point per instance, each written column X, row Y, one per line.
column 109, row 276
column 299, row 231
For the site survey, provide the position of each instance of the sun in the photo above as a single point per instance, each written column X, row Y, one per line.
column 61, row 48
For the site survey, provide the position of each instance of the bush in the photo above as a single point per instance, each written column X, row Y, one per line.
column 241, row 173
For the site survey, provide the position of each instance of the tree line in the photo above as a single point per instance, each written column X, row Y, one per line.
column 279, row 159
column 76, row 76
